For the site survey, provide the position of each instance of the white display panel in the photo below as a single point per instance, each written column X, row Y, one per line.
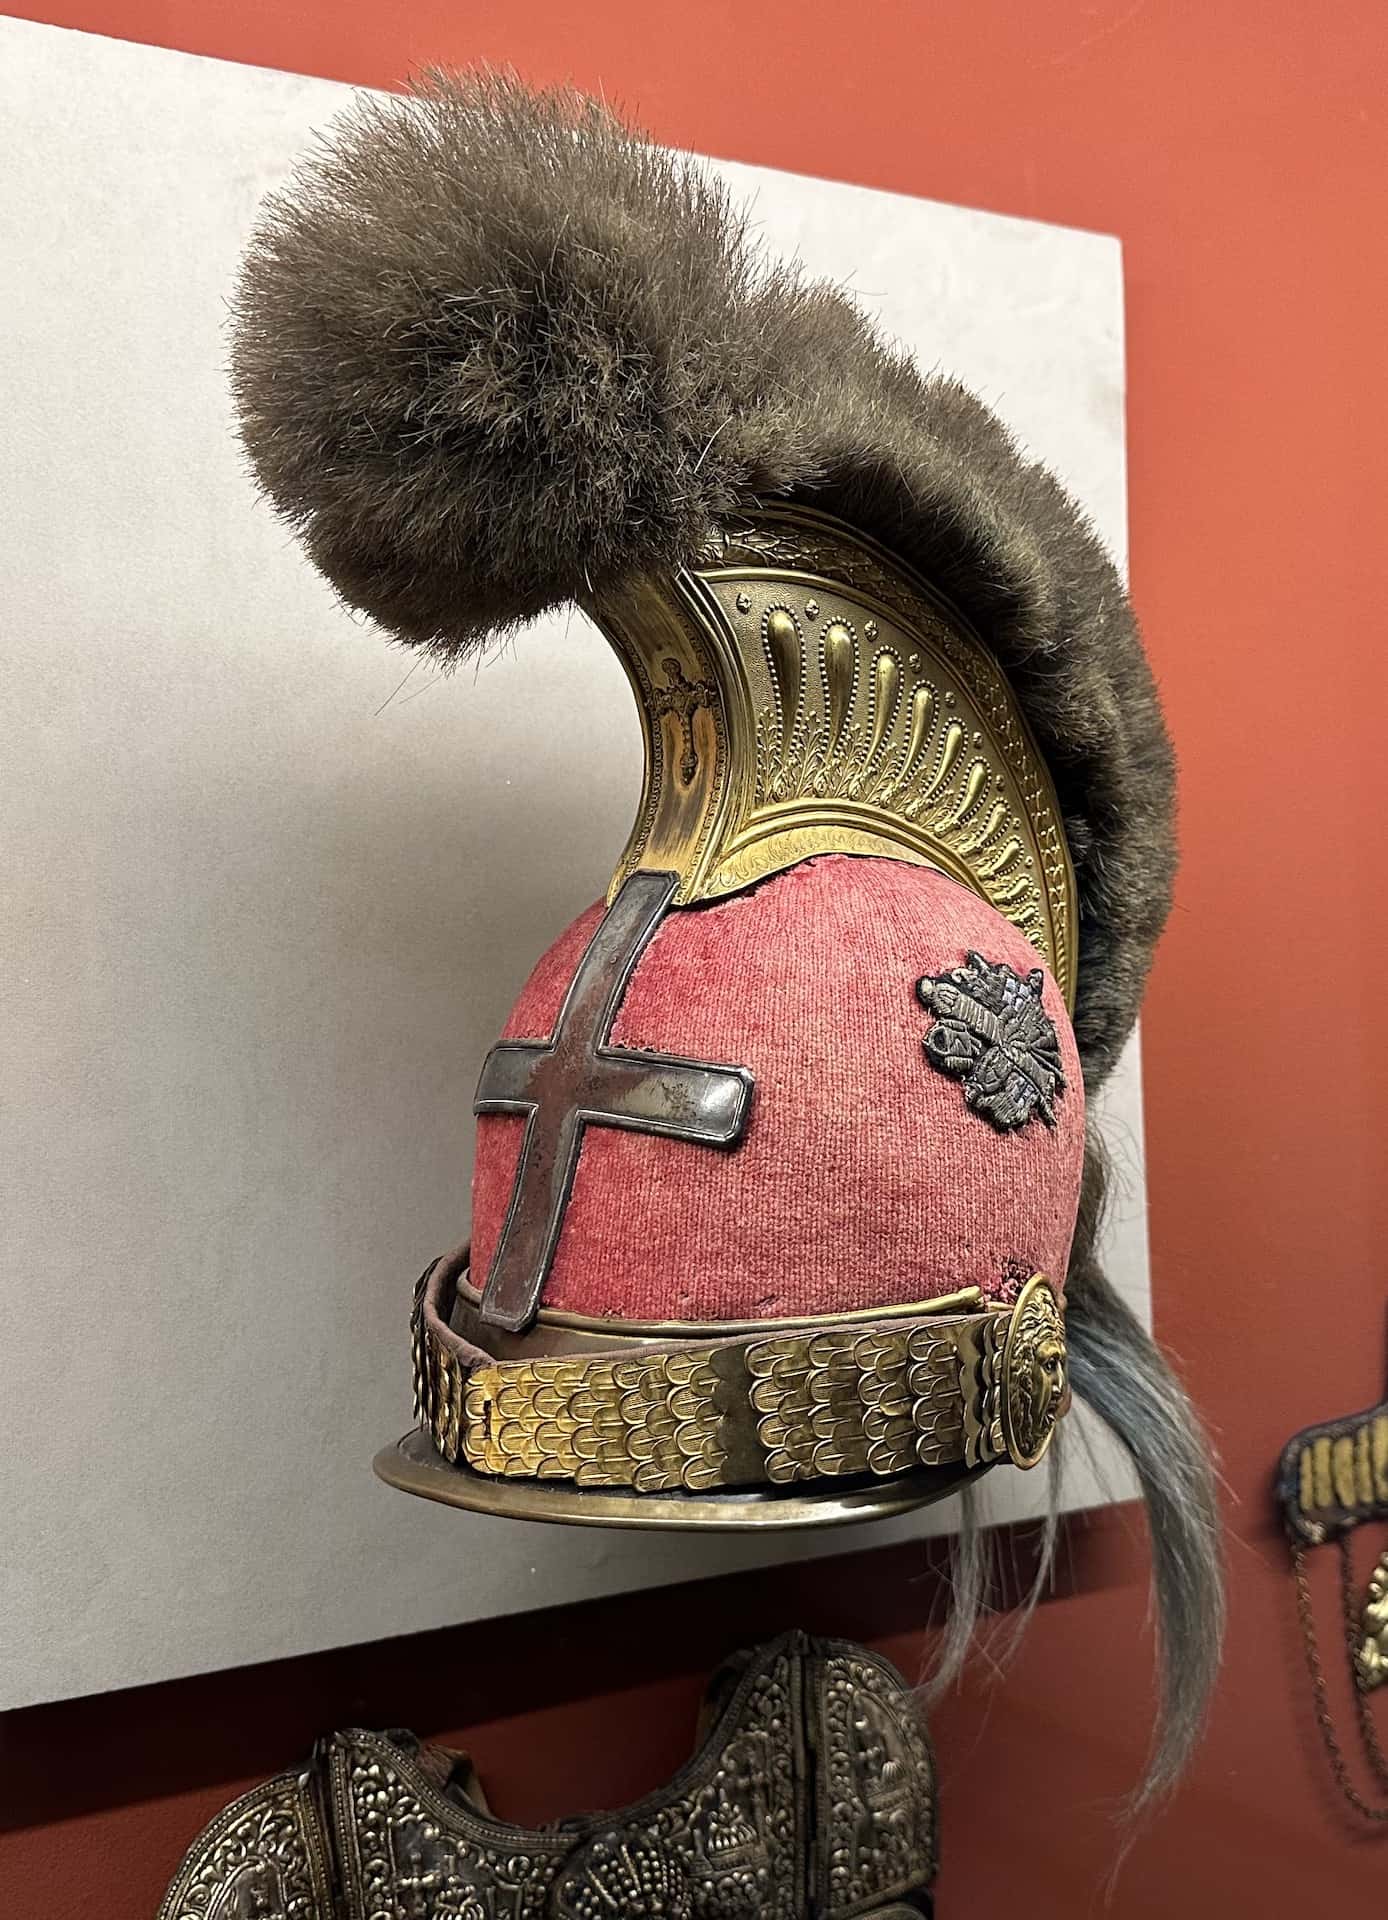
column 270, row 895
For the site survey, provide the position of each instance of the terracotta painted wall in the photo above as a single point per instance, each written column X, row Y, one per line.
column 1240, row 148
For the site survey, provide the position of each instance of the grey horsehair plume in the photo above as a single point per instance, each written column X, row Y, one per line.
column 1118, row 1370
column 1121, row 1374
column 494, row 352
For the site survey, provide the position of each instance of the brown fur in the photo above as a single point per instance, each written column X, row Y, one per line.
column 494, row 352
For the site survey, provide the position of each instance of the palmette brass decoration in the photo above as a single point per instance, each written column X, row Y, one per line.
column 802, row 693
column 876, row 1398
column 813, row 1794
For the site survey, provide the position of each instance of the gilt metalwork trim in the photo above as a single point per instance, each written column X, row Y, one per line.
column 992, row 1032
column 802, row 693
column 1016, row 1385
column 853, row 1402
column 836, row 1402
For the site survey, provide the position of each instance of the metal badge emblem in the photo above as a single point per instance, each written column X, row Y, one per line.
column 992, row 1032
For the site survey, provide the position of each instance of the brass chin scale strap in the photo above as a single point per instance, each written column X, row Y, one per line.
column 661, row 1411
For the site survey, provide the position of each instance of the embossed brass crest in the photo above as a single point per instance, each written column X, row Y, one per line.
column 801, row 693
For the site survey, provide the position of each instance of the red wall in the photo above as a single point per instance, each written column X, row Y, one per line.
column 1241, row 151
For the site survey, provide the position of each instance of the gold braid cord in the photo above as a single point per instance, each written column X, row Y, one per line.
column 866, row 1399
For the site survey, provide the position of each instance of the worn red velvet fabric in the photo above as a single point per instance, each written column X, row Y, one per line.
column 864, row 1179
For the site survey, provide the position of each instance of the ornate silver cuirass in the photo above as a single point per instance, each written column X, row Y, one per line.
column 811, row 1796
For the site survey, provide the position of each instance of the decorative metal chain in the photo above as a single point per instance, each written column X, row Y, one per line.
column 1349, row 1606
column 1324, row 1718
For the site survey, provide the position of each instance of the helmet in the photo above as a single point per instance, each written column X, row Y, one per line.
column 783, row 1206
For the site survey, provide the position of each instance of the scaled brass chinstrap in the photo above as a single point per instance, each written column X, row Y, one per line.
column 841, row 1398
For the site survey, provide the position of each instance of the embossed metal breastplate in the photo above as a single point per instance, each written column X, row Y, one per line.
column 810, row 1797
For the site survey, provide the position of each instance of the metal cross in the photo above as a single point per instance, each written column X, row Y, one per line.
column 575, row 1080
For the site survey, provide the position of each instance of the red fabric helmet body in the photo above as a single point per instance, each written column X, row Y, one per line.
column 864, row 1179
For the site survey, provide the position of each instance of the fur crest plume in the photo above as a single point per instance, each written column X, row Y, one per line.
column 483, row 355
column 494, row 352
